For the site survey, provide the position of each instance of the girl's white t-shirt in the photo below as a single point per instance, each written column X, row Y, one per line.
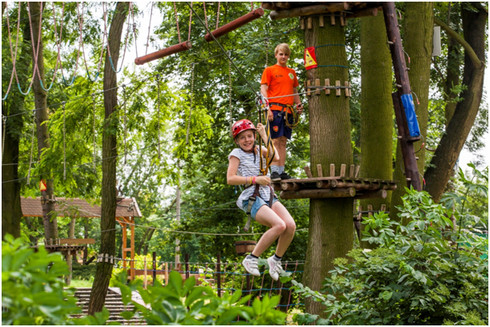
column 249, row 167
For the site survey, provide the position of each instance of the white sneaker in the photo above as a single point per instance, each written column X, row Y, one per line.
column 275, row 268
column 251, row 266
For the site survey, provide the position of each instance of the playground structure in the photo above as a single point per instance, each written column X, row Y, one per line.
column 126, row 211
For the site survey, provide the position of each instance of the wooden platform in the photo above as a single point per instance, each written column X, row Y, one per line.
column 334, row 186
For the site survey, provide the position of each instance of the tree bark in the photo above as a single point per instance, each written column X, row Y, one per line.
column 40, row 103
column 376, row 106
column 330, row 227
column 13, row 106
column 440, row 170
column 418, row 26
column 109, row 154
column 454, row 61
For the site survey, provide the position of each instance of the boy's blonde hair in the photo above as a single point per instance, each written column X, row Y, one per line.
column 284, row 47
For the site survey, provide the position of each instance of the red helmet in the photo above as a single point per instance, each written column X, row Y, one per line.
column 240, row 126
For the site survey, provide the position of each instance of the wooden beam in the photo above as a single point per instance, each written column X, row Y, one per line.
column 319, row 194
column 376, row 194
column 364, row 13
column 309, row 10
column 233, row 25
column 164, row 52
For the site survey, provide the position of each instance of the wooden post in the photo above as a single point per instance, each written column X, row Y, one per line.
column 327, row 83
column 403, row 84
column 145, row 274
column 332, row 170
column 186, row 265
column 319, row 170
column 218, row 273
column 166, row 273
column 349, row 192
column 308, row 172
column 154, row 254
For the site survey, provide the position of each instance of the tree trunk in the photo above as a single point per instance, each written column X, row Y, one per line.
column 454, row 60
column 13, row 106
column 40, row 103
column 109, row 154
column 442, row 163
column 376, row 106
column 330, row 227
column 417, row 41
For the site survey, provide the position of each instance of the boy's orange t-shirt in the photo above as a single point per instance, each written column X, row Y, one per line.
column 280, row 81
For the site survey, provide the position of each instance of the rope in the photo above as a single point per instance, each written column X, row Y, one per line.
column 125, row 45
column 94, row 136
column 177, row 20
column 190, row 24
column 158, row 114
column 12, row 55
column 32, row 149
column 104, row 34
column 149, row 26
column 230, row 95
column 125, row 120
column 217, row 15
column 247, row 82
column 35, row 52
column 4, row 119
column 134, row 34
column 190, row 106
column 80, row 42
column 64, row 143
column 205, row 16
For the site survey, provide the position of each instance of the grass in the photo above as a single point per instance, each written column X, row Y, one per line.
column 81, row 283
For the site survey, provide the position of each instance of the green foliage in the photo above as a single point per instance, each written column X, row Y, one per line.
column 32, row 288
column 422, row 272
column 184, row 303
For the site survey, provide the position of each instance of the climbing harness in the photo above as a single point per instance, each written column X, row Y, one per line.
column 287, row 110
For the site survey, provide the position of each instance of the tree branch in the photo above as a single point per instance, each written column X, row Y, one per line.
column 469, row 50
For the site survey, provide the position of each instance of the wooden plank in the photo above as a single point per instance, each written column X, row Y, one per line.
column 352, row 171
column 308, row 84
column 319, row 194
column 309, row 10
column 372, row 194
column 332, row 170
column 338, row 91
column 77, row 241
column 309, row 23
column 321, row 21
column 308, row 172
column 332, row 19
column 358, row 168
column 317, row 83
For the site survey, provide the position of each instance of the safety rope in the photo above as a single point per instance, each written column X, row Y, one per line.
column 125, row 45
column 104, row 34
column 4, row 119
column 158, row 114
column 12, row 54
column 177, row 21
column 217, row 14
column 93, row 130
column 125, row 120
column 64, row 141
column 190, row 106
column 32, row 149
column 80, row 42
column 149, row 27
column 135, row 36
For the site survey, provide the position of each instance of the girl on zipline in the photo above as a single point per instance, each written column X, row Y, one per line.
column 258, row 198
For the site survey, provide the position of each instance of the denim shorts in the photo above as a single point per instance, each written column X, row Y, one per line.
column 259, row 202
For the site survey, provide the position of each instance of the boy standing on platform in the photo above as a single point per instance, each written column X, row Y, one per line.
column 279, row 86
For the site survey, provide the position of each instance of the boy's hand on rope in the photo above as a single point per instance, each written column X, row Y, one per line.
column 270, row 115
column 299, row 108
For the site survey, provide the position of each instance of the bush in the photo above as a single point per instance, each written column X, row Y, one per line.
column 186, row 304
column 32, row 286
column 423, row 272
column 33, row 289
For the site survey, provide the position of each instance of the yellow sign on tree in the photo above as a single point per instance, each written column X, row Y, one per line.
column 310, row 58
